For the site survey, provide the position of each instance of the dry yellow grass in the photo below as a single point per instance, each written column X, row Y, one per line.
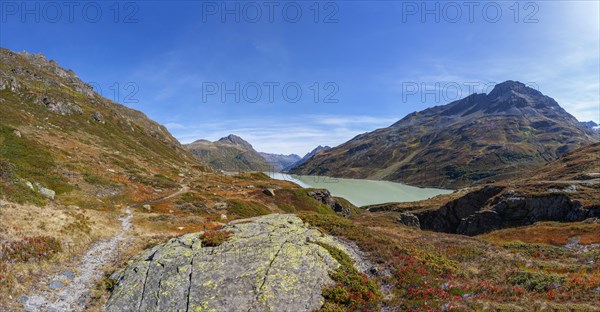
column 77, row 229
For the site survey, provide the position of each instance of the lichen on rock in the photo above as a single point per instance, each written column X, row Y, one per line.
column 269, row 263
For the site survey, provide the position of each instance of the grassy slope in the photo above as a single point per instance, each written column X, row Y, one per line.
column 74, row 153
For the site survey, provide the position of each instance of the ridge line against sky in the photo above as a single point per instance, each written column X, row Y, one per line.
column 167, row 59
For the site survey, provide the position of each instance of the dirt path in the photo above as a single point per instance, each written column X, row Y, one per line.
column 73, row 296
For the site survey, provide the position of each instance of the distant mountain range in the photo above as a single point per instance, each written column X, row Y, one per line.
column 306, row 157
column 232, row 153
column 511, row 130
column 591, row 125
column 280, row 162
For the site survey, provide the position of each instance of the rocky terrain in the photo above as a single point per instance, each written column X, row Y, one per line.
column 269, row 263
column 230, row 153
column 511, row 130
column 566, row 190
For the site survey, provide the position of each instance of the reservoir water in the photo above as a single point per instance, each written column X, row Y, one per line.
column 363, row 192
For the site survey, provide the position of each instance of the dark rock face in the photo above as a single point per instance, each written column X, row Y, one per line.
column 448, row 218
column 520, row 211
column 408, row 219
column 491, row 209
column 325, row 198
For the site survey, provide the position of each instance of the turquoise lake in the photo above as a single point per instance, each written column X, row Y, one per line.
column 363, row 192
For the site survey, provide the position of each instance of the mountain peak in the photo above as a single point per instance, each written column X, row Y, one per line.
column 236, row 140
column 510, row 87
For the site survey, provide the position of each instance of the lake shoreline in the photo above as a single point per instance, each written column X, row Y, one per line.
column 370, row 192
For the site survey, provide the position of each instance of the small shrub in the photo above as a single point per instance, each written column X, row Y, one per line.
column 30, row 248
column 353, row 291
column 96, row 180
column 537, row 250
column 6, row 278
column 536, row 281
column 214, row 238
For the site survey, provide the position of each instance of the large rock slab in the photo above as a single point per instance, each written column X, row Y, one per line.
column 269, row 263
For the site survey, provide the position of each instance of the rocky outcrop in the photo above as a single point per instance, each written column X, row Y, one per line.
column 324, row 196
column 9, row 83
column 269, row 192
column 513, row 211
column 47, row 192
column 98, row 117
column 492, row 208
column 408, row 219
column 64, row 108
column 448, row 217
column 269, row 263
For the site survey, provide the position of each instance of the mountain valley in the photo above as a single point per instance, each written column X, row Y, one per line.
column 103, row 209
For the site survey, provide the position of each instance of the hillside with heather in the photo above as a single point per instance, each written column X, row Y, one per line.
column 511, row 130
column 58, row 135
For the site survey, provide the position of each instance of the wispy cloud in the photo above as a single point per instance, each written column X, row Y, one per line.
column 297, row 135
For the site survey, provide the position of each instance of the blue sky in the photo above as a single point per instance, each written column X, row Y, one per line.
column 371, row 62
